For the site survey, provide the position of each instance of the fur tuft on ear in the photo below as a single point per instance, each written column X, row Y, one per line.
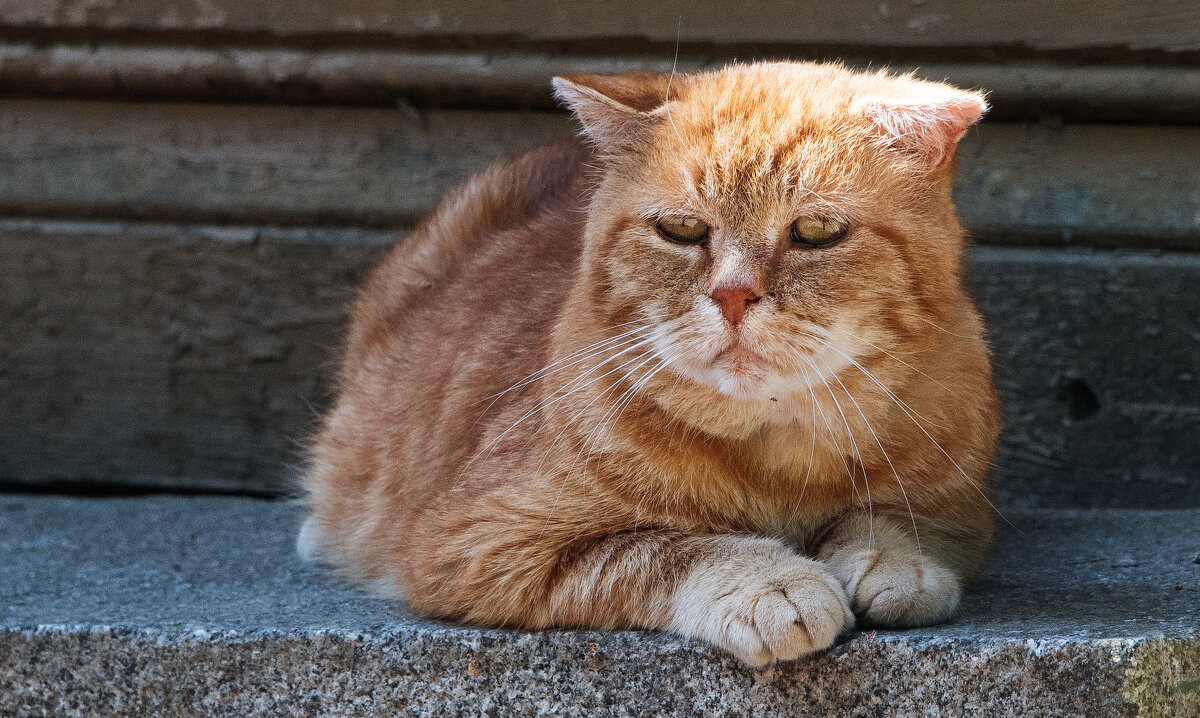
column 615, row 110
column 926, row 119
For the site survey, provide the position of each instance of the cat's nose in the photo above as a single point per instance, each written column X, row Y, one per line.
column 734, row 300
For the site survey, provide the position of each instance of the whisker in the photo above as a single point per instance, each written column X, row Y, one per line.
column 910, row 366
column 904, row 407
column 623, row 340
column 569, row 422
column 626, row 399
column 896, row 474
column 671, row 79
column 588, row 440
column 833, row 438
column 570, row 389
column 619, row 408
column 590, row 349
column 812, row 453
column 891, row 394
column 571, row 470
column 943, row 329
column 857, row 452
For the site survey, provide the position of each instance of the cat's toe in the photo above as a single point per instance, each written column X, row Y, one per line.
column 744, row 641
column 800, row 619
column 886, row 589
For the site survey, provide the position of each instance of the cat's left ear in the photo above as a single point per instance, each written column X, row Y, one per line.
column 926, row 119
column 616, row 111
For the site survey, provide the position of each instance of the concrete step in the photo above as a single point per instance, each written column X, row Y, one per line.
column 198, row 606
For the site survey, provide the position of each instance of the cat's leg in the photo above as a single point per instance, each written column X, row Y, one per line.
column 751, row 596
column 891, row 578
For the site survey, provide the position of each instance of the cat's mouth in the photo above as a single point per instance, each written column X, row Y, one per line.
column 741, row 366
column 737, row 358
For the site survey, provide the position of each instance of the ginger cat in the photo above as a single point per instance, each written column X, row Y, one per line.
column 711, row 371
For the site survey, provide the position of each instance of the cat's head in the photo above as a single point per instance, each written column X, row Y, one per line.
column 772, row 223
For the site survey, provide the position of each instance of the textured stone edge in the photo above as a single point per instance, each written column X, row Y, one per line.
column 99, row 670
column 1165, row 678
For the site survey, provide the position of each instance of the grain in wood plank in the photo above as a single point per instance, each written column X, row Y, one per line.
column 185, row 357
column 1074, row 24
column 301, row 166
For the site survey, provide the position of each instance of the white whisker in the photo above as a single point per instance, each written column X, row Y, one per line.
column 896, row 474
column 896, row 358
column 939, row 328
column 671, row 79
column 891, row 394
column 904, row 408
column 588, row 440
column 571, row 470
column 857, row 452
column 567, row 391
column 812, row 452
column 591, row 350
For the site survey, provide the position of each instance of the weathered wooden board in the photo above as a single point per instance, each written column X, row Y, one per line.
column 1018, row 184
column 1166, row 24
column 180, row 359
column 1101, row 185
column 161, row 356
column 517, row 79
column 1098, row 359
column 241, row 163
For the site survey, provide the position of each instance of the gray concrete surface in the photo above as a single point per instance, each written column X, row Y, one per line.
column 198, row 606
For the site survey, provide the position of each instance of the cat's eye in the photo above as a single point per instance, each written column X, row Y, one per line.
column 818, row 231
column 683, row 228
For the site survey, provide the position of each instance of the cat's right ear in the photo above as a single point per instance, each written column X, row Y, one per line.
column 616, row 111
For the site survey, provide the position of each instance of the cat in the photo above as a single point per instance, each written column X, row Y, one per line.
column 709, row 369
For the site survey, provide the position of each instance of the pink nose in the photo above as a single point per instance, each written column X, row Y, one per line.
column 734, row 299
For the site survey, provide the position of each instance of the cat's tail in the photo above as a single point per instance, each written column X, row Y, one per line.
column 308, row 541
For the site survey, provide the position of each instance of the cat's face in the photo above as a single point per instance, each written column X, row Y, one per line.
column 769, row 225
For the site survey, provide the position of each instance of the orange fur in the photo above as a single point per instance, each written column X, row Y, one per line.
column 492, row 460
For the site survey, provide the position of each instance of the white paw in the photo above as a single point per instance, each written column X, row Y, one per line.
column 895, row 586
column 761, row 602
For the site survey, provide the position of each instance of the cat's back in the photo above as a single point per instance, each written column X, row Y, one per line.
column 460, row 310
column 486, row 226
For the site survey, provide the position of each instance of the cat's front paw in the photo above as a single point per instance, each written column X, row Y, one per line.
column 761, row 602
column 895, row 585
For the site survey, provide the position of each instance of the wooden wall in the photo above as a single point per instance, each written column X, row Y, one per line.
column 189, row 190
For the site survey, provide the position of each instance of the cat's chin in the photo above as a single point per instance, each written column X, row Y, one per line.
column 742, row 375
column 743, row 386
column 739, row 373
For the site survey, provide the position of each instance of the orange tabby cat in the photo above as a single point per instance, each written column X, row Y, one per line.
column 714, row 372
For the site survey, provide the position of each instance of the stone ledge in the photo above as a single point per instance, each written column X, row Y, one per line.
column 171, row 606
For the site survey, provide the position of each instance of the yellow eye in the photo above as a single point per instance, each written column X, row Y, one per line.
column 683, row 229
column 818, row 231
